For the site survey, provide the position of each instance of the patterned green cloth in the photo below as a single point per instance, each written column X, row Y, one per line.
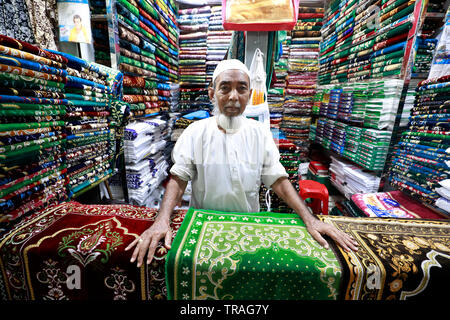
column 239, row 256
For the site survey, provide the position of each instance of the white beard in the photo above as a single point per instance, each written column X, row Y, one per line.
column 229, row 124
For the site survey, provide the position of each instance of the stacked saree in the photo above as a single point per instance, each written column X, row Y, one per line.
column 194, row 25
column 32, row 106
column 302, row 76
column 148, row 38
column 277, row 89
column 420, row 159
column 217, row 40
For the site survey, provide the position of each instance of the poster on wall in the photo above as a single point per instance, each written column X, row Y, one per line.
column 74, row 21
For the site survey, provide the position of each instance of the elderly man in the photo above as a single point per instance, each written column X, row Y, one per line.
column 226, row 157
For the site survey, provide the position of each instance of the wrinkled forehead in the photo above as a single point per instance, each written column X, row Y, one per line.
column 233, row 75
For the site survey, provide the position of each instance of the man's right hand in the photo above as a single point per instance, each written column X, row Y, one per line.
column 148, row 241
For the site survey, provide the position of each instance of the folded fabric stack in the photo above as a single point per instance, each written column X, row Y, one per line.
column 372, row 148
column 277, row 90
column 218, row 41
column 91, row 137
column 424, row 55
column 352, row 140
column 148, row 38
column 32, row 137
column 350, row 178
column 193, row 24
column 174, row 98
column 146, row 159
column 382, row 104
column 355, row 47
column 420, row 161
column 302, row 76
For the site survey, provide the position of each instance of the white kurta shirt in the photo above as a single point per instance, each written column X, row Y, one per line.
column 226, row 170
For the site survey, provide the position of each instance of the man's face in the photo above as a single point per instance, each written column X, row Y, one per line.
column 231, row 92
column 77, row 22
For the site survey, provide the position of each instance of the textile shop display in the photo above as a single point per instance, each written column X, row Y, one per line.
column 194, row 29
column 148, row 37
column 90, row 128
column 397, row 259
column 59, row 117
column 361, row 43
column 302, row 76
column 146, row 157
column 217, row 41
column 291, row 97
column 356, row 120
column 232, row 256
column 420, row 158
column 32, row 129
column 46, row 247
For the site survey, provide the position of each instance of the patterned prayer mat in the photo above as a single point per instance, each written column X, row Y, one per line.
column 223, row 255
column 76, row 252
column 398, row 259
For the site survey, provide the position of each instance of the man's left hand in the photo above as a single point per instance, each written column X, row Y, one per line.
column 318, row 228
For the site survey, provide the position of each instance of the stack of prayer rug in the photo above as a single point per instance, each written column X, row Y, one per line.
column 265, row 256
column 33, row 104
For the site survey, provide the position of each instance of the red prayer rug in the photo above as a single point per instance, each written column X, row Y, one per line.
column 72, row 251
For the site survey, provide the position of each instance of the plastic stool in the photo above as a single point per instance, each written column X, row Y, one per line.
column 310, row 189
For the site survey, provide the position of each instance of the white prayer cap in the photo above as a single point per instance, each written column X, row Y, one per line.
column 231, row 64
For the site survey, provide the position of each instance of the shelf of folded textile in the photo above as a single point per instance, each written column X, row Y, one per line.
column 194, row 67
column 32, row 137
column 148, row 55
column 72, row 251
column 272, row 256
column 355, row 48
column 91, row 139
column 420, row 159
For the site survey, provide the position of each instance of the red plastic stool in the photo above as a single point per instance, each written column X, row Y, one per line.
column 310, row 189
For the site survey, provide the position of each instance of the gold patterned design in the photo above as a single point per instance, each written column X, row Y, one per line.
column 391, row 254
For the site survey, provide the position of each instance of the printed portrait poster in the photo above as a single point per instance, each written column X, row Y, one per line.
column 74, row 21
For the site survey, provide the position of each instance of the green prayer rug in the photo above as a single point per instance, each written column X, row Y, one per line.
column 258, row 256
